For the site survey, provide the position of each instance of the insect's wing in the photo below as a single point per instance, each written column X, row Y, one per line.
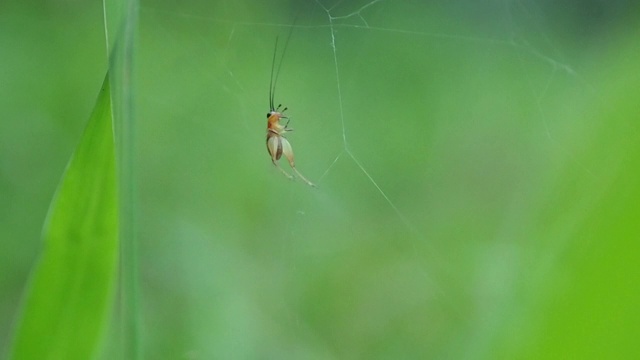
column 275, row 147
column 287, row 150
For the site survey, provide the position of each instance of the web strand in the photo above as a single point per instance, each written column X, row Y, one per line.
column 425, row 254
column 345, row 144
column 345, row 149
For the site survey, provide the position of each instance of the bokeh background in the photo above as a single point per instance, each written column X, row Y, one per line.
column 477, row 169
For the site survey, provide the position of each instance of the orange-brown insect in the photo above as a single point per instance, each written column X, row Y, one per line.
column 277, row 144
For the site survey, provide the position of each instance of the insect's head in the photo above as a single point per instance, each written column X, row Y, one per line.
column 277, row 112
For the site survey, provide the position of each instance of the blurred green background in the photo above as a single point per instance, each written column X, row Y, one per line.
column 477, row 165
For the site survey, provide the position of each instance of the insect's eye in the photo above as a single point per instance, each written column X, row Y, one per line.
column 268, row 114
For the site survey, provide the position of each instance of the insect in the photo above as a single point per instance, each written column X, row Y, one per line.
column 277, row 144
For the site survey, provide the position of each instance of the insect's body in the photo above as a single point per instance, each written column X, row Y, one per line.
column 277, row 144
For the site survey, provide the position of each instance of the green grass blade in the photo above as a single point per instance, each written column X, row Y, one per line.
column 70, row 292
column 121, row 19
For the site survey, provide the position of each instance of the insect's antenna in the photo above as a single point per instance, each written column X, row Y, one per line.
column 274, row 81
column 271, row 84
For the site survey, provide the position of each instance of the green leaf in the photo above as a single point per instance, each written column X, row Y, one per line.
column 71, row 288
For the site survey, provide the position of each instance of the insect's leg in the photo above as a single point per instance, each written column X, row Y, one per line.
column 282, row 170
column 288, row 153
column 274, row 145
column 286, row 127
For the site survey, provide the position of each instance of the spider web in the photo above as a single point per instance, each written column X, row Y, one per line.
column 417, row 152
